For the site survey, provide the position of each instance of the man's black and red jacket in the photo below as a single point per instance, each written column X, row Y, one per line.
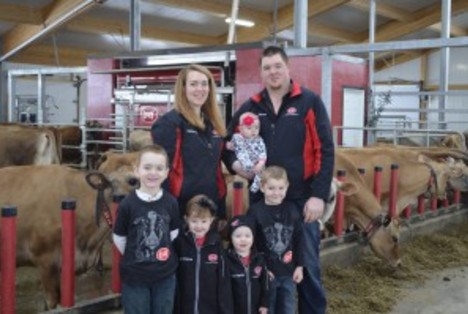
column 298, row 138
column 249, row 283
column 195, row 159
column 203, row 282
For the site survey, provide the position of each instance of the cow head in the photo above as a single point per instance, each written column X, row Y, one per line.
column 383, row 238
column 458, row 178
column 119, row 171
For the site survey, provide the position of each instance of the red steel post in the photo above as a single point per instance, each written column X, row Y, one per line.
column 421, row 205
column 392, row 202
column 8, row 260
column 67, row 285
column 456, row 197
column 237, row 198
column 339, row 209
column 378, row 182
column 445, row 202
column 407, row 212
column 116, row 284
column 434, row 203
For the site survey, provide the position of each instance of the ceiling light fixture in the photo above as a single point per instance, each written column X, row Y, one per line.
column 245, row 23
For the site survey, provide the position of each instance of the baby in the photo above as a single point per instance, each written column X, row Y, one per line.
column 249, row 147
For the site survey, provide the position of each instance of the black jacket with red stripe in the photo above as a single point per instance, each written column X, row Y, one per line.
column 203, row 281
column 298, row 138
column 195, row 159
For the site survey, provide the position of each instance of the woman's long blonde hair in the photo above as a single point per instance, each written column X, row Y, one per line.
column 209, row 109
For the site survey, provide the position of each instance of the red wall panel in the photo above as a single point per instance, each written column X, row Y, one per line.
column 100, row 88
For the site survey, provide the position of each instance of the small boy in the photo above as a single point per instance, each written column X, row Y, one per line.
column 249, row 147
column 279, row 237
column 249, row 275
column 204, row 285
column 147, row 222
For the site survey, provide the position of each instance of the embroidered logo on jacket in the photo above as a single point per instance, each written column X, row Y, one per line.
column 291, row 112
column 163, row 254
column 258, row 270
column 213, row 258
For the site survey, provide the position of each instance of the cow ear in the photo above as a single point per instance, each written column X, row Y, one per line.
column 101, row 160
column 348, row 188
column 98, row 181
column 423, row 158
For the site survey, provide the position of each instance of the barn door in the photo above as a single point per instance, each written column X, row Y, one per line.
column 353, row 116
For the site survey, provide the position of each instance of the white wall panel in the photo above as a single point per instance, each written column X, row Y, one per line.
column 408, row 71
column 458, row 70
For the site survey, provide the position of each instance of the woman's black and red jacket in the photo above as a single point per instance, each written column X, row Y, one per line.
column 203, row 281
column 195, row 159
column 249, row 283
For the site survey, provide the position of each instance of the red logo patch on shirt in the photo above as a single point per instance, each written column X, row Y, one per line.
column 287, row 257
column 291, row 110
column 163, row 254
column 258, row 270
column 213, row 258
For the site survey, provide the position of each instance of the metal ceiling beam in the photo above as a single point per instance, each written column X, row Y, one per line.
column 120, row 28
column 60, row 12
column 20, row 14
column 216, row 8
column 420, row 20
column 286, row 19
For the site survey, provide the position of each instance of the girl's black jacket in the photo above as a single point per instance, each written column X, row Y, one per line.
column 203, row 282
column 249, row 284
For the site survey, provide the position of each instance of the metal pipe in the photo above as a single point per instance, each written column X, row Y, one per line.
column 444, row 56
column 135, row 25
column 383, row 46
column 232, row 24
column 300, row 23
column 327, row 76
column 11, row 92
column 50, row 26
column 371, row 96
column 40, row 99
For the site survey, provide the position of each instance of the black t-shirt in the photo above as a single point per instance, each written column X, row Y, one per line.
column 149, row 255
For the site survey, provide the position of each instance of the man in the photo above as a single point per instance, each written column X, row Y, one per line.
column 297, row 134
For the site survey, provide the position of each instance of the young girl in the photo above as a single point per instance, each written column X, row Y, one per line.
column 249, row 275
column 202, row 277
column 249, row 147
column 147, row 222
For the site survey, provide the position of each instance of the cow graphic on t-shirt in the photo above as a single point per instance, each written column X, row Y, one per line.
column 278, row 238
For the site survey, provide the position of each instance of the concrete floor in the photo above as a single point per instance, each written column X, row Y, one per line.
column 446, row 292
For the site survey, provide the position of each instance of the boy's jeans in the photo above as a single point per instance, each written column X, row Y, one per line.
column 155, row 299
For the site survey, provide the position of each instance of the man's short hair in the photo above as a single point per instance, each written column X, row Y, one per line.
column 274, row 50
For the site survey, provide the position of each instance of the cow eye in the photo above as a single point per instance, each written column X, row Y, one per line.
column 132, row 181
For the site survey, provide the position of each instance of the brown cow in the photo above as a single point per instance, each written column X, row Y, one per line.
column 26, row 145
column 38, row 191
column 138, row 139
column 363, row 209
column 417, row 173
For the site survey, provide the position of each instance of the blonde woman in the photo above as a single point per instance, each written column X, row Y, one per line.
column 192, row 134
